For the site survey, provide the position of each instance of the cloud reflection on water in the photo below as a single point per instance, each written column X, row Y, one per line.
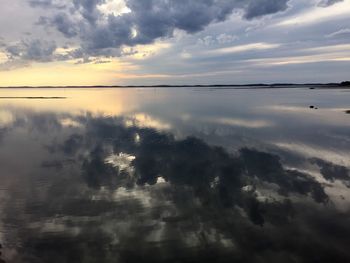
column 93, row 193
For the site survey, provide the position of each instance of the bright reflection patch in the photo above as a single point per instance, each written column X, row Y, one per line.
column 122, row 161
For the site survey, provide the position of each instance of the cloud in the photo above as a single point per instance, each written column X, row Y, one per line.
column 64, row 24
column 147, row 20
column 260, row 8
column 47, row 4
column 325, row 3
column 101, row 29
column 88, row 9
column 332, row 171
column 104, row 198
column 319, row 14
column 341, row 32
column 220, row 39
column 243, row 48
column 32, row 50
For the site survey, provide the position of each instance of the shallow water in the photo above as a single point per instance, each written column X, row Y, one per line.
column 174, row 175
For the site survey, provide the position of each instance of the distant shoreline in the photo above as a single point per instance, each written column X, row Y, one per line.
column 35, row 98
column 218, row 86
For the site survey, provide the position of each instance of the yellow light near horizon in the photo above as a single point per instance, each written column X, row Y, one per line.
column 101, row 71
column 144, row 51
column 3, row 57
column 80, row 101
column 110, row 102
column 65, row 74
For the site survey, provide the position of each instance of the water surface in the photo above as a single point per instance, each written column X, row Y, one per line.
column 174, row 175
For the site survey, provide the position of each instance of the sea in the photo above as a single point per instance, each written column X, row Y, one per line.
column 175, row 174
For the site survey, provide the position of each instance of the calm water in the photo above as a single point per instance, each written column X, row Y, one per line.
column 174, row 175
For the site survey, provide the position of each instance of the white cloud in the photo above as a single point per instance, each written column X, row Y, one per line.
column 253, row 124
column 336, row 157
column 319, row 14
column 220, row 39
column 344, row 31
column 243, row 48
column 115, row 7
column 301, row 59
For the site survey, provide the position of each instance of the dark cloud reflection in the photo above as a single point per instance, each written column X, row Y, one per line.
column 108, row 192
column 332, row 172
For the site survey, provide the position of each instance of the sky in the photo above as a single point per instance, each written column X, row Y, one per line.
column 154, row 42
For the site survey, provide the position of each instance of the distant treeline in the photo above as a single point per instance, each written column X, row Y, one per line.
column 256, row 85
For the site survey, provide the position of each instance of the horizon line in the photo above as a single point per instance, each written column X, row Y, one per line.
column 337, row 84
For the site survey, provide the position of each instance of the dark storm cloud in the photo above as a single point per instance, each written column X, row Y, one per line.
column 326, row 3
column 47, row 4
column 39, row 50
column 32, row 50
column 41, row 3
column 100, row 29
column 264, row 7
column 88, row 9
column 148, row 20
column 64, row 24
